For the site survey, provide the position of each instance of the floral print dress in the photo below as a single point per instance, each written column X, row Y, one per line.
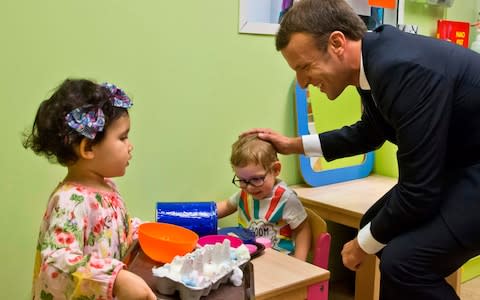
column 83, row 236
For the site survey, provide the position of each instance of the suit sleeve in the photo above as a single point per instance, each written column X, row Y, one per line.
column 363, row 136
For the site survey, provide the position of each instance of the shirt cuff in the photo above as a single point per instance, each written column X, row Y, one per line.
column 367, row 242
column 311, row 145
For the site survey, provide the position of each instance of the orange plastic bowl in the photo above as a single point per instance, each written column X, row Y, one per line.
column 162, row 242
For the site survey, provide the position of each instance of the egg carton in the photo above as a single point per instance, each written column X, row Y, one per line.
column 197, row 274
column 168, row 286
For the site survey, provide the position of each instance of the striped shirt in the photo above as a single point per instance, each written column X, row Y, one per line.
column 274, row 217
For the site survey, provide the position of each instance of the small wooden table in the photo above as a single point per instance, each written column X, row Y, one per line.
column 345, row 203
column 139, row 263
column 282, row 277
column 275, row 276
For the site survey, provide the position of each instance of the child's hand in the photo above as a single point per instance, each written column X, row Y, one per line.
column 225, row 208
column 129, row 286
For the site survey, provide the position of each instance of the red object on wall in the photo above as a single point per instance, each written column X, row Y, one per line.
column 383, row 3
column 453, row 31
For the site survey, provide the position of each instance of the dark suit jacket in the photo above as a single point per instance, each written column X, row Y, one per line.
column 425, row 98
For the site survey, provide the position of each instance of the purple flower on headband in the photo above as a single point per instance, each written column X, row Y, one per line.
column 88, row 120
column 119, row 98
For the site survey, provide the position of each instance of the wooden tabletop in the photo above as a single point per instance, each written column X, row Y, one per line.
column 345, row 202
column 279, row 276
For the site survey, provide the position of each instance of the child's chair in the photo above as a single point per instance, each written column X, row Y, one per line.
column 320, row 251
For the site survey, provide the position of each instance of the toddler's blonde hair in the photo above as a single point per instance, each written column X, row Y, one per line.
column 251, row 149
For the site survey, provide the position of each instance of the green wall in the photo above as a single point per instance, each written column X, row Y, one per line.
column 196, row 84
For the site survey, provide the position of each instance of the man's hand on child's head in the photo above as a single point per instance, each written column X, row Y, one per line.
column 283, row 144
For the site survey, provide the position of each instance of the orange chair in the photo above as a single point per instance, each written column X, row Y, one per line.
column 320, row 251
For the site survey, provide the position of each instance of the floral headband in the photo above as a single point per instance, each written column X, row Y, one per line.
column 88, row 120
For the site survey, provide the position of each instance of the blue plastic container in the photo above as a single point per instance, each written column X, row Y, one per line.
column 200, row 217
column 246, row 235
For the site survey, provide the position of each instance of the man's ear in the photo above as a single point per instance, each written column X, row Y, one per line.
column 84, row 149
column 276, row 168
column 337, row 42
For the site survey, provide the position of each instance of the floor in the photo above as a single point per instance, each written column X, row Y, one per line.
column 470, row 290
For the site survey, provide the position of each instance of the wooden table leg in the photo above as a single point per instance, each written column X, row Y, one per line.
column 367, row 280
column 454, row 280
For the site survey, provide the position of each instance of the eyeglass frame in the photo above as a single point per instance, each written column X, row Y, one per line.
column 247, row 182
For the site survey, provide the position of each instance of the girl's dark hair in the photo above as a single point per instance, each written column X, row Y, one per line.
column 320, row 18
column 50, row 135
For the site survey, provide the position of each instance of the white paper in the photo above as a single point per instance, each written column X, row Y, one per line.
column 361, row 7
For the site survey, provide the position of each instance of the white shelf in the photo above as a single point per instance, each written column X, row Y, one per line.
column 261, row 16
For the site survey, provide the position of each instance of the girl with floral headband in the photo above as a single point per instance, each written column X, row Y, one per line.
column 85, row 230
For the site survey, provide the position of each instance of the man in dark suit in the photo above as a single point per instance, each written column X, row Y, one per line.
column 423, row 95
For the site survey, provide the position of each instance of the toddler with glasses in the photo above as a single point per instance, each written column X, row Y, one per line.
column 265, row 204
column 85, row 230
